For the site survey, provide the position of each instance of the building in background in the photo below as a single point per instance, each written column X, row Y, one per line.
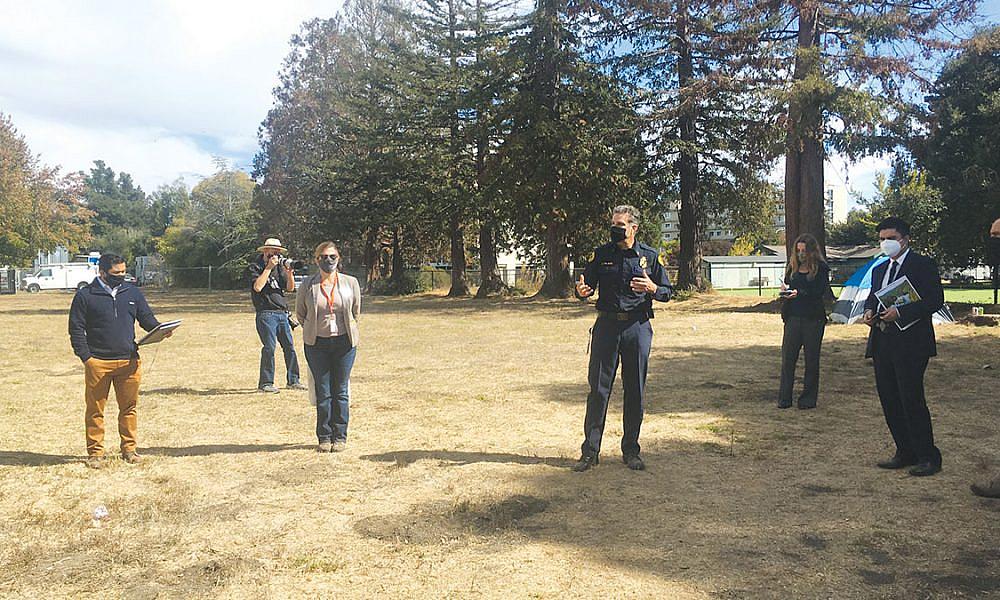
column 719, row 229
column 836, row 203
column 58, row 256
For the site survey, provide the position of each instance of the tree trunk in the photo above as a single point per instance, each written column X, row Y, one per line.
column 492, row 282
column 689, row 254
column 373, row 251
column 804, row 155
column 558, row 281
column 397, row 259
column 459, row 282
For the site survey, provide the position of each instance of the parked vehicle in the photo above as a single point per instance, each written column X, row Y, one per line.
column 60, row 276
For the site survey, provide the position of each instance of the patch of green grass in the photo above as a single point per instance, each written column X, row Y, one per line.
column 317, row 564
column 970, row 296
column 716, row 428
column 964, row 295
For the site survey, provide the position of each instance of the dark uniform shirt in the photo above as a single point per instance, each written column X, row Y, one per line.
column 611, row 272
column 272, row 295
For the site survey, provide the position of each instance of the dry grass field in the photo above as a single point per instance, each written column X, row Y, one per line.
column 466, row 417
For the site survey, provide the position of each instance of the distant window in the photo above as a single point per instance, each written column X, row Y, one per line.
column 45, row 273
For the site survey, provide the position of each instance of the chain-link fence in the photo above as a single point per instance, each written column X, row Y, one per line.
column 522, row 280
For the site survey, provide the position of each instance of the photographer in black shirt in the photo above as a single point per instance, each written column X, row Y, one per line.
column 269, row 279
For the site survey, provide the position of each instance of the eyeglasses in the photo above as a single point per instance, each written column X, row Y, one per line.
column 329, row 256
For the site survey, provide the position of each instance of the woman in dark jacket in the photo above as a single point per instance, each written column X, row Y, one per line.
column 806, row 285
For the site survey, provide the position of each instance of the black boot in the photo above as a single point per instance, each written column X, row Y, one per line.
column 586, row 462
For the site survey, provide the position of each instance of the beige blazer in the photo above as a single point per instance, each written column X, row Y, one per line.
column 307, row 311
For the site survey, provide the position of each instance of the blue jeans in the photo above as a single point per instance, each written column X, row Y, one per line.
column 273, row 328
column 330, row 362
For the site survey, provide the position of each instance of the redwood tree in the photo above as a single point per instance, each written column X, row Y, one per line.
column 857, row 69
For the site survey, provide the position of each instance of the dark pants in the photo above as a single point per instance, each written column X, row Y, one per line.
column 330, row 362
column 801, row 332
column 273, row 328
column 899, row 377
column 613, row 341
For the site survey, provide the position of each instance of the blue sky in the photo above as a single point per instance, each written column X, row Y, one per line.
column 157, row 87
column 154, row 88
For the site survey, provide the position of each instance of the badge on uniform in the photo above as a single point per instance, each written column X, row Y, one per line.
column 643, row 262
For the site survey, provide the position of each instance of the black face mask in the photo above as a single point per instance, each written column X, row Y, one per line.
column 993, row 250
column 328, row 265
column 114, row 281
column 617, row 234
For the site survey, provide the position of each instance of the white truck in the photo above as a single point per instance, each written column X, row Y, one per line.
column 60, row 276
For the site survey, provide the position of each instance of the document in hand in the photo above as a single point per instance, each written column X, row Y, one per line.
column 160, row 333
column 898, row 293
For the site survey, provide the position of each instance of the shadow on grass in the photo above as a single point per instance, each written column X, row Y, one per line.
column 18, row 458
column 405, row 458
column 210, row 449
column 181, row 391
column 750, row 510
column 35, row 312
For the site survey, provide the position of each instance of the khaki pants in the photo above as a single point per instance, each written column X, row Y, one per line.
column 100, row 375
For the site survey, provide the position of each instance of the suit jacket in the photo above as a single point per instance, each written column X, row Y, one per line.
column 307, row 308
column 919, row 338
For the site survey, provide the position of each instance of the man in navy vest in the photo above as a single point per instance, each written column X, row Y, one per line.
column 901, row 343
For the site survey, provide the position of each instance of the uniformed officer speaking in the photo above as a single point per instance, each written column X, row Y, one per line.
column 628, row 276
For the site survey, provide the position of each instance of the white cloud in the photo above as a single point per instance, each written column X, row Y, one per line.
column 152, row 156
column 159, row 84
column 857, row 177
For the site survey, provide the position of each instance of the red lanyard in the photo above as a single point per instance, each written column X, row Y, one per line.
column 330, row 297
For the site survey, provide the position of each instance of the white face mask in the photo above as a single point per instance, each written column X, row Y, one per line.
column 890, row 247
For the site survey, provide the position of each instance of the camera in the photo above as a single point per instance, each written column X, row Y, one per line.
column 291, row 265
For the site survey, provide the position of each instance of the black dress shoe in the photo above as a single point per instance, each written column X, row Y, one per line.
column 783, row 404
column 586, row 462
column 925, row 469
column 897, row 462
column 633, row 462
column 806, row 406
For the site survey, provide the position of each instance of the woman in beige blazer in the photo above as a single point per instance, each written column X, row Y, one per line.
column 328, row 305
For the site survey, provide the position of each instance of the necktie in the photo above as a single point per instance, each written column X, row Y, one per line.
column 892, row 276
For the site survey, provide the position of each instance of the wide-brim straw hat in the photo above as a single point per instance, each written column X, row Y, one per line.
column 272, row 244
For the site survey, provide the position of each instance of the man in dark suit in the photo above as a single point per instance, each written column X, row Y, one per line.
column 991, row 488
column 901, row 343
